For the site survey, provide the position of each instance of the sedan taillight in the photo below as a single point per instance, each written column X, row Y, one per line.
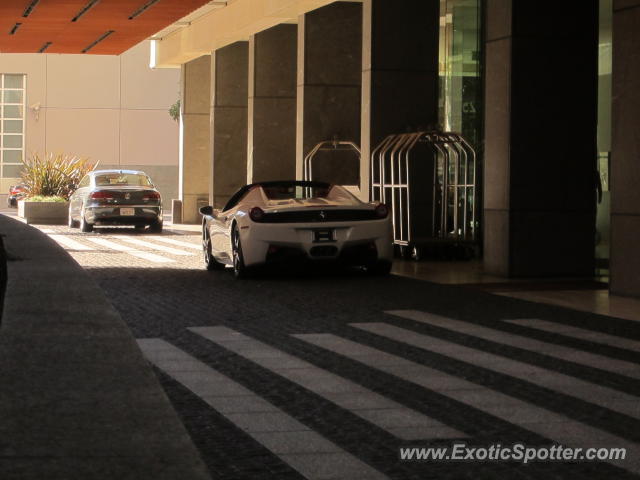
column 151, row 196
column 101, row 196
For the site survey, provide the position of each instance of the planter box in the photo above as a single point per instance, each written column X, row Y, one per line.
column 44, row 213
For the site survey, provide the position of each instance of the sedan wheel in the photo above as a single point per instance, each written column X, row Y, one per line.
column 72, row 223
column 209, row 260
column 239, row 268
column 84, row 226
column 156, row 227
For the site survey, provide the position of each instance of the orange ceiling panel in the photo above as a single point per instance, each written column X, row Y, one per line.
column 49, row 26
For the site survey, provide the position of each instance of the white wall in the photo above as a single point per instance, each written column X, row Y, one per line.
column 112, row 109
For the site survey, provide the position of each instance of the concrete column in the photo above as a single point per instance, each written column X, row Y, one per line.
column 194, row 137
column 229, row 73
column 399, row 71
column 625, row 155
column 540, row 140
column 329, row 87
column 271, row 137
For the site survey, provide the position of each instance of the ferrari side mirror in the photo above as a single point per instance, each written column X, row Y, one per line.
column 208, row 210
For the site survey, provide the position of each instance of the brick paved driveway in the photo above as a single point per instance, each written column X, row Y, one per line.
column 328, row 375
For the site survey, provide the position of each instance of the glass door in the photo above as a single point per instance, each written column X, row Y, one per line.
column 461, row 102
column 604, row 138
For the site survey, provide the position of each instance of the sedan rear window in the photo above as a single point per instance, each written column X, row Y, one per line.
column 124, row 179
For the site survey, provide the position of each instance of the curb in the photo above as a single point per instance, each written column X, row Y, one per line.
column 78, row 399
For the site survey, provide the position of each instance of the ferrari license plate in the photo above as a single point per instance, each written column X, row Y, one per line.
column 127, row 211
column 323, row 236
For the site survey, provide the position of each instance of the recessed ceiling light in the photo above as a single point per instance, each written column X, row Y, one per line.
column 30, row 7
column 143, row 8
column 15, row 28
column 84, row 10
column 101, row 38
column 44, row 47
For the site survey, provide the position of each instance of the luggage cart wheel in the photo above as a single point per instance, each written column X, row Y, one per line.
column 405, row 251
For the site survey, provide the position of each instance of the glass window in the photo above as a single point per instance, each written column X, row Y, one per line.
column 460, row 104
column 13, row 96
column 13, row 81
column 12, row 156
column 122, row 179
column 11, row 171
column 460, row 74
column 13, row 111
column 85, row 182
column 12, row 141
column 289, row 191
column 299, row 191
column 603, row 216
column 12, row 124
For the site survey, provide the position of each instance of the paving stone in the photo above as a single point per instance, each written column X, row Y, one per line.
column 165, row 300
column 295, row 442
column 239, row 404
column 265, row 422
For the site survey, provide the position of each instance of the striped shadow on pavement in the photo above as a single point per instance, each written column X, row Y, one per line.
column 619, row 367
column 178, row 243
column 153, row 246
column 304, row 450
column 152, row 257
column 579, row 333
column 599, row 395
column 69, row 243
column 541, row 421
column 403, row 422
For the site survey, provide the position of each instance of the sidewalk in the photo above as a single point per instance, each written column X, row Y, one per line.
column 78, row 400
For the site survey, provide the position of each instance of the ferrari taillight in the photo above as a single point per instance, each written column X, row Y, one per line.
column 382, row 211
column 256, row 214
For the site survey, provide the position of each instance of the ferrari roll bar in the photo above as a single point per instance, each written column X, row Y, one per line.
column 334, row 145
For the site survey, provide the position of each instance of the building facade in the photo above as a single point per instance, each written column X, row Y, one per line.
column 548, row 102
column 111, row 109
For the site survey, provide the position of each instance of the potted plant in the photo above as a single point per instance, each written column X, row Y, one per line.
column 49, row 182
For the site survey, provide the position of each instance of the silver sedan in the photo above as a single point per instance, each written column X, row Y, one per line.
column 116, row 197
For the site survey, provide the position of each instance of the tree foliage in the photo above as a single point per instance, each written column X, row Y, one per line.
column 174, row 111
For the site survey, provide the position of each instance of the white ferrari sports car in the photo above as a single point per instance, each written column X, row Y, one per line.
column 294, row 221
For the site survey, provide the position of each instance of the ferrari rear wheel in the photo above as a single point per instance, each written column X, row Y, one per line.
column 381, row 267
column 239, row 268
column 209, row 260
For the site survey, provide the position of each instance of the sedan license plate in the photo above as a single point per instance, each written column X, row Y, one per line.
column 127, row 211
column 323, row 236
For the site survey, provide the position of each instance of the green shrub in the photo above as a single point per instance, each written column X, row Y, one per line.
column 174, row 111
column 40, row 198
column 55, row 175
